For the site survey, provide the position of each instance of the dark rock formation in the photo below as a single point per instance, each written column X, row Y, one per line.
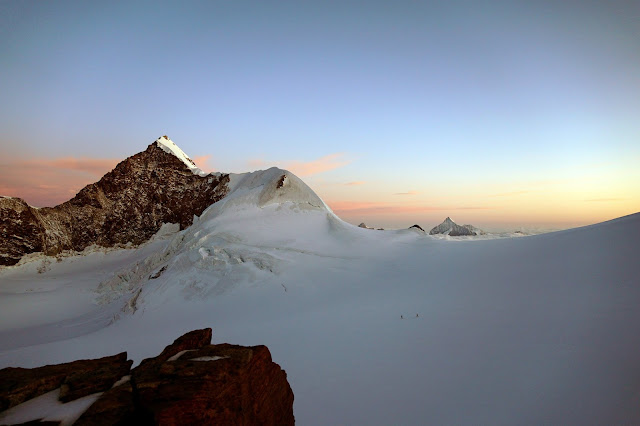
column 80, row 378
column 190, row 383
column 417, row 227
column 213, row 384
column 449, row 227
column 21, row 231
column 114, row 407
column 192, row 340
column 194, row 382
column 97, row 379
column 364, row 225
column 128, row 205
column 218, row 384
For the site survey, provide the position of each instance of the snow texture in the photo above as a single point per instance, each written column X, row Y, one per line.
column 532, row 330
column 48, row 408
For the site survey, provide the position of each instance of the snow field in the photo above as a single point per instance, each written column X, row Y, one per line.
column 534, row 330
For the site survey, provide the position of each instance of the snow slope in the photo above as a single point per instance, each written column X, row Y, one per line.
column 531, row 330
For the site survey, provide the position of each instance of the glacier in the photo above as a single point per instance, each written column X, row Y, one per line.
column 389, row 327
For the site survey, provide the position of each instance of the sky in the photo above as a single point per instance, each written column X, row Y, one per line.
column 502, row 114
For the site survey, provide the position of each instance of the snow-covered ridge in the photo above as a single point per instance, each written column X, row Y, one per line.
column 167, row 145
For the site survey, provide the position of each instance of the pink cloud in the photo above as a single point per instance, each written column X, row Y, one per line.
column 257, row 163
column 355, row 183
column 322, row 164
column 305, row 168
column 202, row 161
column 93, row 166
column 48, row 182
column 407, row 193
column 360, row 207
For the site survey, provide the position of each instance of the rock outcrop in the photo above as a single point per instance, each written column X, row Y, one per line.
column 128, row 205
column 416, row 226
column 364, row 226
column 76, row 379
column 449, row 227
column 21, row 231
column 190, row 383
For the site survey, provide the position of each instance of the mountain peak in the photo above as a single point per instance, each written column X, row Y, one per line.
column 167, row 145
column 129, row 204
column 449, row 227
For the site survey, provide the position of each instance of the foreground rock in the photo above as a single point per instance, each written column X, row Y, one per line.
column 449, row 227
column 190, row 382
column 76, row 379
column 128, row 205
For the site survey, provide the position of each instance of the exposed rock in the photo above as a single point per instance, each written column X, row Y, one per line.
column 363, row 225
column 195, row 339
column 158, row 274
column 20, row 230
column 82, row 378
column 190, row 383
column 449, row 227
column 98, row 379
column 193, row 382
column 128, row 205
column 114, row 407
column 417, row 227
column 217, row 384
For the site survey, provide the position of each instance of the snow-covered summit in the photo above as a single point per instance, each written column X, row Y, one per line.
column 167, row 145
column 272, row 186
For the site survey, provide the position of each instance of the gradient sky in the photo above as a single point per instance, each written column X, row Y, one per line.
column 500, row 114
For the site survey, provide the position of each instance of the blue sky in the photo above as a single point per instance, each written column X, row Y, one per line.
column 494, row 112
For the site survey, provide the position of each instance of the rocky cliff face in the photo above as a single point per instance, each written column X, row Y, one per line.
column 129, row 204
column 20, row 230
column 190, row 383
column 449, row 227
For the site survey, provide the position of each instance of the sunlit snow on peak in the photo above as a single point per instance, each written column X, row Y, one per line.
column 167, row 145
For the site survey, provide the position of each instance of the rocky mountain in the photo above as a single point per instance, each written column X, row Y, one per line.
column 190, row 382
column 449, row 227
column 128, row 205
